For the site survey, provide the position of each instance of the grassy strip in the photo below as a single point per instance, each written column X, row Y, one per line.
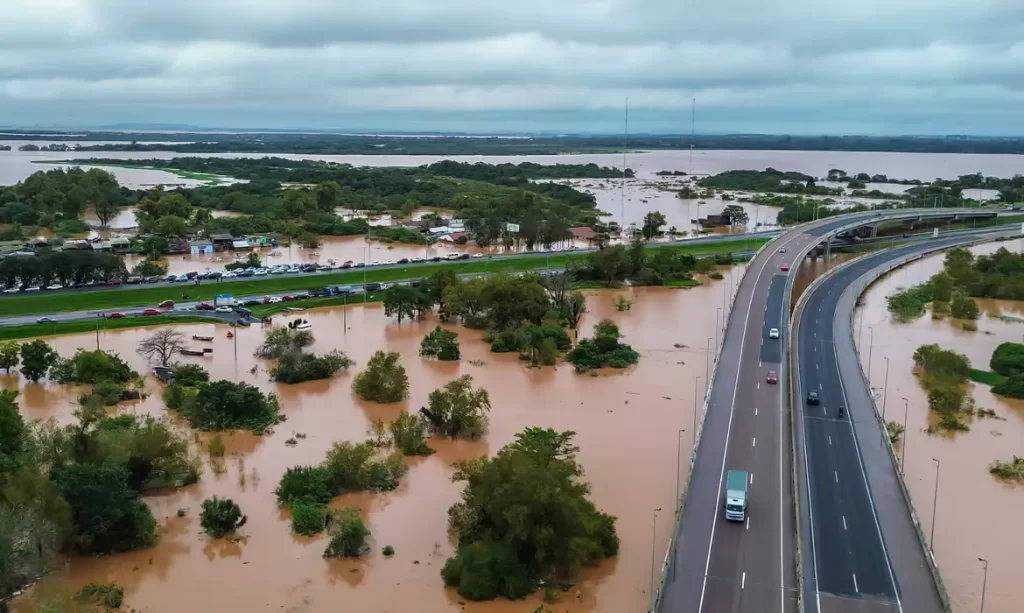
column 87, row 325
column 129, row 297
column 987, row 377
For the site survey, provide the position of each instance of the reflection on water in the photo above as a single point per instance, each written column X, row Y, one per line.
column 626, row 426
column 976, row 514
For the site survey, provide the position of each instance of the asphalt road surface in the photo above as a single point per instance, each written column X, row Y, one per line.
column 720, row 565
column 860, row 526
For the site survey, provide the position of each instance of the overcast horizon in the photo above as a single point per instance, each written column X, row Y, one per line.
column 868, row 67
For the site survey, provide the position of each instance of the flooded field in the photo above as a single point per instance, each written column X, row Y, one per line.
column 976, row 515
column 627, row 429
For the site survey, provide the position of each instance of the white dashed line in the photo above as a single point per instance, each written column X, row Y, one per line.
column 829, row 440
column 751, row 478
column 837, row 476
column 743, row 581
column 855, row 588
column 755, row 411
column 844, row 523
column 753, row 442
column 748, row 523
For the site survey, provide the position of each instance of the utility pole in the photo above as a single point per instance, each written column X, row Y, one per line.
column 693, row 130
column 622, row 191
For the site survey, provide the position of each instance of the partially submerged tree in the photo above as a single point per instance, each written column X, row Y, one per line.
column 282, row 340
column 525, row 517
column 441, row 344
column 162, row 346
column 221, row 517
column 36, row 359
column 457, row 410
column 9, row 354
column 383, row 380
column 407, row 433
column 348, row 535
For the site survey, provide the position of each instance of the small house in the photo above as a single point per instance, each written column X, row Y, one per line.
column 241, row 245
column 101, row 245
column 200, row 247
column 120, row 244
column 582, row 233
column 221, row 242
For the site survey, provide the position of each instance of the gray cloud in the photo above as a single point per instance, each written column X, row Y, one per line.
column 886, row 62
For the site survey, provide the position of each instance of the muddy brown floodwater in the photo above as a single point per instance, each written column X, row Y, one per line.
column 626, row 423
column 976, row 515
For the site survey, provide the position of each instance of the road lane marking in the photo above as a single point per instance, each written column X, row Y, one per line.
column 755, row 411
column 830, row 439
column 748, row 523
column 743, row 581
column 844, row 523
column 758, row 385
column 820, row 388
column 753, row 442
column 728, row 432
column 855, row 588
column 751, row 478
column 837, row 475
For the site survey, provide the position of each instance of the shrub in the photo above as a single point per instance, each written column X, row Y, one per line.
column 407, row 432
column 308, row 517
column 154, row 453
column 310, row 483
column 352, row 467
column 441, row 344
column 92, row 367
column 282, row 340
column 296, row 367
column 348, row 535
column 109, row 595
column 486, row 570
column 1012, row 386
column 220, row 517
column 963, row 306
column 383, row 380
column 189, row 375
column 1008, row 359
column 459, row 411
column 969, row 326
column 603, row 350
column 388, row 551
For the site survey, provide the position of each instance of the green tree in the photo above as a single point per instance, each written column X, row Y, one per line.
column 221, row 517
column 1007, row 359
column 407, row 433
column 383, row 380
column 296, row 367
column 408, row 208
column 436, row 284
column 459, row 411
column 149, row 268
column 441, row 344
column 282, row 340
column 309, row 517
column 942, row 287
column 36, row 358
column 653, row 221
column 9, row 354
column 348, row 535
column 13, row 432
column 107, row 515
column 736, row 214
column 963, row 306
column 575, row 307
column 401, row 301
column 226, row 405
column 328, row 196
column 525, row 516
column 308, row 240
column 189, row 375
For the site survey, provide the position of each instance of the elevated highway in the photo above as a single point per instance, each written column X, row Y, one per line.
column 717, row 565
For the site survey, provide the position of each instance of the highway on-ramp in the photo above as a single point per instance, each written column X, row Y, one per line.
column 864, row 554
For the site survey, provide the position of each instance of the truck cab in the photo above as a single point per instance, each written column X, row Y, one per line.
column 736, row 495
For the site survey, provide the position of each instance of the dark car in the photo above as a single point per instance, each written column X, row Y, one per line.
column 348, row 264
column 46, row 320
column 436, row 258
column 464, row 256
column 191, row 275
column 253, row 302
column 116, row 315
column 812, row 398
column 247, row 273
column 372, row 287
column 151, row 280
column 204, row 306
column 359, row 264
column 166, row 304
column 403, row 261
column 244, row 312
column 214, row 275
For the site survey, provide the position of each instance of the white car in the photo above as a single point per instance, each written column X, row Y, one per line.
column 260, row 272
column 228, row 275
column 11, row 290
column 274, row 299
column 224, row 309
column 773, row 333
column 34, row 288
column 55, row 286
column 388, row 262
column 375, row 263
column 478, row 255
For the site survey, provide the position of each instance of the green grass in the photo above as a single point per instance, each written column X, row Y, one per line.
column 87, row 325
column 128, row 297
column 987, row 377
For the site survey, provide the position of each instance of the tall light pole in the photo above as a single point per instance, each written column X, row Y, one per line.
column 885, row 397
column 935, row 504
column 984, row 583
column 903, row 451
column 696, row 387
column 679, row 461
column 707, row 359
column 871, row 347
column 718, row 326
column 654, row 551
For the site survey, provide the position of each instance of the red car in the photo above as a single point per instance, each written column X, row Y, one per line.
column 784, row 267
column 202, row 306
column 772, row 378
column 287, row 298
column 166, row 304
column 151, row 312
column 116, row 316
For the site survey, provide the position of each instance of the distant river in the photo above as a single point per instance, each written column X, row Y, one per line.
column 16, row 165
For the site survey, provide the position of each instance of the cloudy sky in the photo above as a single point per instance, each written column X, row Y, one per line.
column 774, row 66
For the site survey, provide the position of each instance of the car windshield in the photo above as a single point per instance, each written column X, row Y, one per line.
column 733, row 507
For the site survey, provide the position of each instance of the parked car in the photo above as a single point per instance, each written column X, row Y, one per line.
column 403, row 261
column 46, row 320
column 224, row 309
column 116, row 315
column 54, row 286
column 252, row 302
column 134, row 280
column 348, row 264
column 359, row 265
column 463, row 256
column 287, row 298
column 151, row 312
column 274, row 299
column 12, row 290
column 772, row 377
column 204, row 306
column 34, row 288
column 478, row 255
column 166, row 304
column 373, row 287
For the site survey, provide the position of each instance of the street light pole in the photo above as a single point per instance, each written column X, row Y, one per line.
column 935, row 504
column 903, row 451
column 654, row 551
column 871, row 347
column 695, row 388
column 679, row 461
column 885, row 396
column 718, row 315
column 984, row 583
column 706, row 360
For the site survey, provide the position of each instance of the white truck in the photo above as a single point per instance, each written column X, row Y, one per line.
column 736, row 495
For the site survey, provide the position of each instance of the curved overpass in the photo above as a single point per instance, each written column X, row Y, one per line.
column 715, row 565
column 864, row 551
